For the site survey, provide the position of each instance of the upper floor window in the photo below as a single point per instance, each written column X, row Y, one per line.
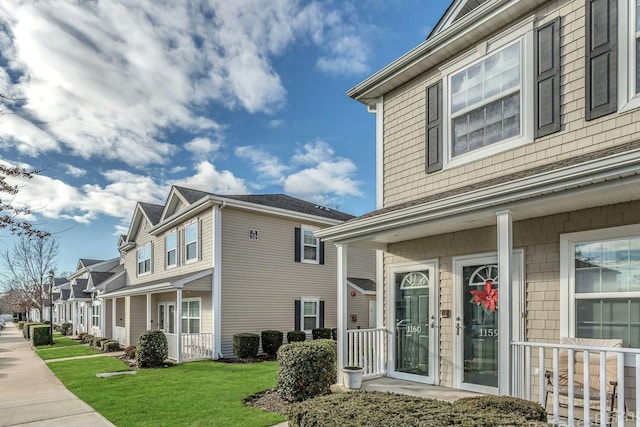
column 601, row 272
column 310, row 245
column 144, row 259
column 191, row 242
column 488, row 99
column 629, row 54
column 171, row 249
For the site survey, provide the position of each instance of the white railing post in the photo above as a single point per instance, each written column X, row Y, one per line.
column 587, row 386
column 542, row 378
column 621, row 389
column 603, row 388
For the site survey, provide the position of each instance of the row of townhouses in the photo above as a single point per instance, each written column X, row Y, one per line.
column 506, row 236
column 204, row 267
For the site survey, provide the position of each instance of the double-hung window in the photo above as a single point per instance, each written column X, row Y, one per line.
column 144, row 259
column 191, row 242
column 95, row 315
column 191, row 316
column 310, row 314
column 171, row 249
column 310, row 245
column 601, row 272
column 488, row 97
column 629, row 54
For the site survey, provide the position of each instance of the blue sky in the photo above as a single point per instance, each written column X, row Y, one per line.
column 119, row 100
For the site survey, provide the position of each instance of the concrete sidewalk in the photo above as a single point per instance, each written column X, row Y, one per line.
column 31, row 395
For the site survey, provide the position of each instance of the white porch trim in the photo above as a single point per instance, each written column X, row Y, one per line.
column 505, row 251
column 342, row 310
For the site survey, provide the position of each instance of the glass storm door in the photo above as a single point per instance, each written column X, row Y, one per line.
column 476, row 328
column 414, row 325
column 171, row 319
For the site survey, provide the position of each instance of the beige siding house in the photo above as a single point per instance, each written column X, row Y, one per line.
column 508, row 150
column 204, row 267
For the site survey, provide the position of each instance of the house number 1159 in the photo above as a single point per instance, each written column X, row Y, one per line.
column 485, row 332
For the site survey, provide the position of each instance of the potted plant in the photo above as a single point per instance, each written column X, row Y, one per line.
column 352, row 376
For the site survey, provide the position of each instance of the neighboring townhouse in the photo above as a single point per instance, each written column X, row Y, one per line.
column 85, row 286
column 204, row 267
column 508, row 154
column 61, row 303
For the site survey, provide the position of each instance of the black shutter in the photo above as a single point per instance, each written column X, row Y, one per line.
column 321, row 255
column 547, row 69
column 321, row 320
column 434, row 127
column 601, row 52
column 298, row 312
column 297, row 244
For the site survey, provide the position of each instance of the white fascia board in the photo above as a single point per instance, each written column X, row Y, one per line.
column 550, row 182
column 474, row 26
column 207, row 202
column 359, row 289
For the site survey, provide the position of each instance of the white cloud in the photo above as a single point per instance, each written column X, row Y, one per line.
column 313, row 153
column 74, row 171
column 324, row 182
column 110, row 79
column 202, row 147
column 208, row 178
column 267, row 165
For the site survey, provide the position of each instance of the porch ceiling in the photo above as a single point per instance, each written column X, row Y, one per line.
column 602, row 182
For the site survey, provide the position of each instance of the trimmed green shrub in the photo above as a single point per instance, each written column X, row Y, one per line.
column 334, row 334
column 20, row 324
column 95, row 341
column 81, row 335
column 306, row 369
column 87, row 338
column 40, row 334
column 296, row 336
column 65, row 328
column 321, row 334
column 26, row 329
column 152, row 349
column 372, row 408
column 506, row 405
column 246, row 345
column 110, row 346
column 271, row 341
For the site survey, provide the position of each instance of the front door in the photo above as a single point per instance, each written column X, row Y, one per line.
column 414, row 350
column 476, row 331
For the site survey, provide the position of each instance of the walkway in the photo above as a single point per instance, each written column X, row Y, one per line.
column 30, row 395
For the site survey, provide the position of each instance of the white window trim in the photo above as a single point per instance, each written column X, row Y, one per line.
column 523, row 32
column 567, row 264
column 628, row 99
column 304, row 228
column 195, row 224
column 166, row 251
column 182, row 316
column 302, row 316
column 146, row 273
column 94, row 315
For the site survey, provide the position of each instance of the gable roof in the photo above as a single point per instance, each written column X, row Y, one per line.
column 86, row 262
column 63, row 295
column 191, row 195
column 456, row 10
column 97, row 277
column 77, row 290
column 152, row 211
column 283, row 201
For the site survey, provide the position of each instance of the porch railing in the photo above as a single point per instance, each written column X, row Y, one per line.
column 540, row 363
column 365, row 348
column 119, row 334
column 197, row 346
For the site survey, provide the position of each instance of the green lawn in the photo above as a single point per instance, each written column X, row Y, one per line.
column 61, row 341
column 193, row 394
column 48, row 353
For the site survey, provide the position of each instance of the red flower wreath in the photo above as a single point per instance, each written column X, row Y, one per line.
column 488, row 297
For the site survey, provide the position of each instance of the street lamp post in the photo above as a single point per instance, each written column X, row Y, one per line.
column 51, row 273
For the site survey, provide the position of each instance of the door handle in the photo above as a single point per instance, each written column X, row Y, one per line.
column 433, row 322
column 458, row 327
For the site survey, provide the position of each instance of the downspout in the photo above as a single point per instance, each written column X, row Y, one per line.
column 216, row 294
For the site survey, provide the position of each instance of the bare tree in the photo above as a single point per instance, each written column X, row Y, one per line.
column 10, row 216
column 26, row 271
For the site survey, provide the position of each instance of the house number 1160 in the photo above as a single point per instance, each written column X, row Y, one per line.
column 412, row 329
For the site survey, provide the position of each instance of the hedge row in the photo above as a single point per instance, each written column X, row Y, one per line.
column 389, row 409
column 246, row 345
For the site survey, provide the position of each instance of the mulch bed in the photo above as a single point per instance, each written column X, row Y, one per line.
column 269, row 401
column 259, row 358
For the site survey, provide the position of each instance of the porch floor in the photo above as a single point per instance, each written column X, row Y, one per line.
column 415, row 389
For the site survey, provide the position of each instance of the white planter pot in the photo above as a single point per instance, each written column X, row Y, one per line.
column 352, row 377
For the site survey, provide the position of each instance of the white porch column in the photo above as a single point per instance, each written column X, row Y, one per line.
column 148, row 312
column 179, row 323
column 216, row 293
column 113, row 318
column 342, row 311
column 505, row 251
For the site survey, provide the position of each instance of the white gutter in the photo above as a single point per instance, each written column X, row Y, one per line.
column 157, row 287
column 590, row 172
